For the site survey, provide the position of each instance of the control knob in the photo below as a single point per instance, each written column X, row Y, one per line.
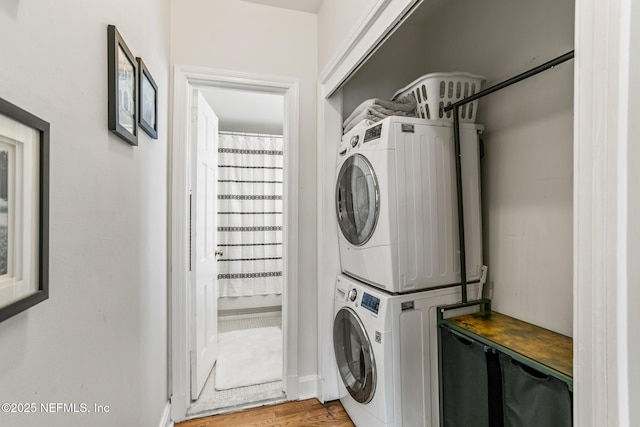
column 353, row 294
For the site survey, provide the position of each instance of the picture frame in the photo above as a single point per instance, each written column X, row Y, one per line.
column 147, row 100
column 123, row 87
column 24, row 210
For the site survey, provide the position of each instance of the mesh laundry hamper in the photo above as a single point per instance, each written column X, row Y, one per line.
column 465, row 382
column 533, row 399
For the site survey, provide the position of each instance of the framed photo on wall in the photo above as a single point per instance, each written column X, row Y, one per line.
column 148, row 101
column 123, row 88
column 24, row 210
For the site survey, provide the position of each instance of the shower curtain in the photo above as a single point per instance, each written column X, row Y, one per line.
column 250, row 214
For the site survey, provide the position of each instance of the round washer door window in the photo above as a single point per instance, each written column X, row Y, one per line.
column 357, row 200
column 354, row 356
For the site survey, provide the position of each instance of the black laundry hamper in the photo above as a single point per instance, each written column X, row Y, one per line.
column 532, row 398
column 470, row 392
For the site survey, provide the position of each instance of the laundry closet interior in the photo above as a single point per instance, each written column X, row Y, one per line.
column 527, row 166
column 526, row 145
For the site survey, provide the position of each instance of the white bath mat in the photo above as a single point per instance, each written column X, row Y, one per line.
column 248, row 357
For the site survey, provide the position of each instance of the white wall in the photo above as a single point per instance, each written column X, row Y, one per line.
column 246, row 37
column 527, row 173
column 337, row 21
column 102, row 336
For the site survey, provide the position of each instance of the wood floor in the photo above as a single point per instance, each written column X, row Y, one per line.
column 290, row 414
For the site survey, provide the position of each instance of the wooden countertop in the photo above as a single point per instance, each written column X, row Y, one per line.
column 546, row 350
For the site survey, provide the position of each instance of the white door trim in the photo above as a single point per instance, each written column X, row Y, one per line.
column 179, row 309
column 604, row 367
column 379, row 22
column 329, row 134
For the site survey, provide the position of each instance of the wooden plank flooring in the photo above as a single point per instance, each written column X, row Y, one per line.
column 290, row 414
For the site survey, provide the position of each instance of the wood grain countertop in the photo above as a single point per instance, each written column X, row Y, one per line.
column 546, row 350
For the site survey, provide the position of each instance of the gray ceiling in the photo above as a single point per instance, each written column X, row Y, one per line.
column 311, row 6
column 245, row 111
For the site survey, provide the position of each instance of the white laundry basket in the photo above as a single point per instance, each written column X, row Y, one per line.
column 435, row 91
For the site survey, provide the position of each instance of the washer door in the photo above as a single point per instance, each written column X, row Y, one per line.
column 354, row 355
column 357, row 200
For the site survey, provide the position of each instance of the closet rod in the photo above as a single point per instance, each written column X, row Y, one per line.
column 226, row 132
column 532, row 72
column 456, row 140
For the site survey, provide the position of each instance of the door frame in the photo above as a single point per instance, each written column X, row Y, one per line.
column 184, row 78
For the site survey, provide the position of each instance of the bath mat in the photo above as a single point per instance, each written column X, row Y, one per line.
column 248, row 357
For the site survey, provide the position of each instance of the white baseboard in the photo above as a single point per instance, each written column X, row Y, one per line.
column 166, row 421
column 327, row 391
column 308, row 386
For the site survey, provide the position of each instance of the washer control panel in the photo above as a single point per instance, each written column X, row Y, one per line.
column 373, row 133
column 355, row 139
column 370, row 302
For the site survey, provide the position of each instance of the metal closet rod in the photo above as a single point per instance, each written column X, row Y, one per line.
column 532, row 72
column 456, row 138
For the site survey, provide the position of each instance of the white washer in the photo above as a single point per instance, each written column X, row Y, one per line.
column 396, row 204
column 385, row 347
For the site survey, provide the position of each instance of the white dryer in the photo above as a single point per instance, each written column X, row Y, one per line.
column 396, row 204
column 386, row 353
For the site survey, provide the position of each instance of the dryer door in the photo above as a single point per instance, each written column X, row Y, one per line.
column 354, row 355
column 357, row 200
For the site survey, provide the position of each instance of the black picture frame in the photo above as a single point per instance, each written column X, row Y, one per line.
column 26, row 294
column 147, row 100
column 123, row 88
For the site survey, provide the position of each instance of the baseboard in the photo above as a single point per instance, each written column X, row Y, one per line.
column 308, row 386
column 251, row 312
column 166, row 421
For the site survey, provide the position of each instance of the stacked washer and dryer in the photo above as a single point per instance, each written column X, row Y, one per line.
column 396, row 206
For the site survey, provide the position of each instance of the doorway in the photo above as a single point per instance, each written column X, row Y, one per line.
column 263, row 305
column 246, row 130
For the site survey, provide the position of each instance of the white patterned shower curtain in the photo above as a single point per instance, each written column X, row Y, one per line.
column 250, row 214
